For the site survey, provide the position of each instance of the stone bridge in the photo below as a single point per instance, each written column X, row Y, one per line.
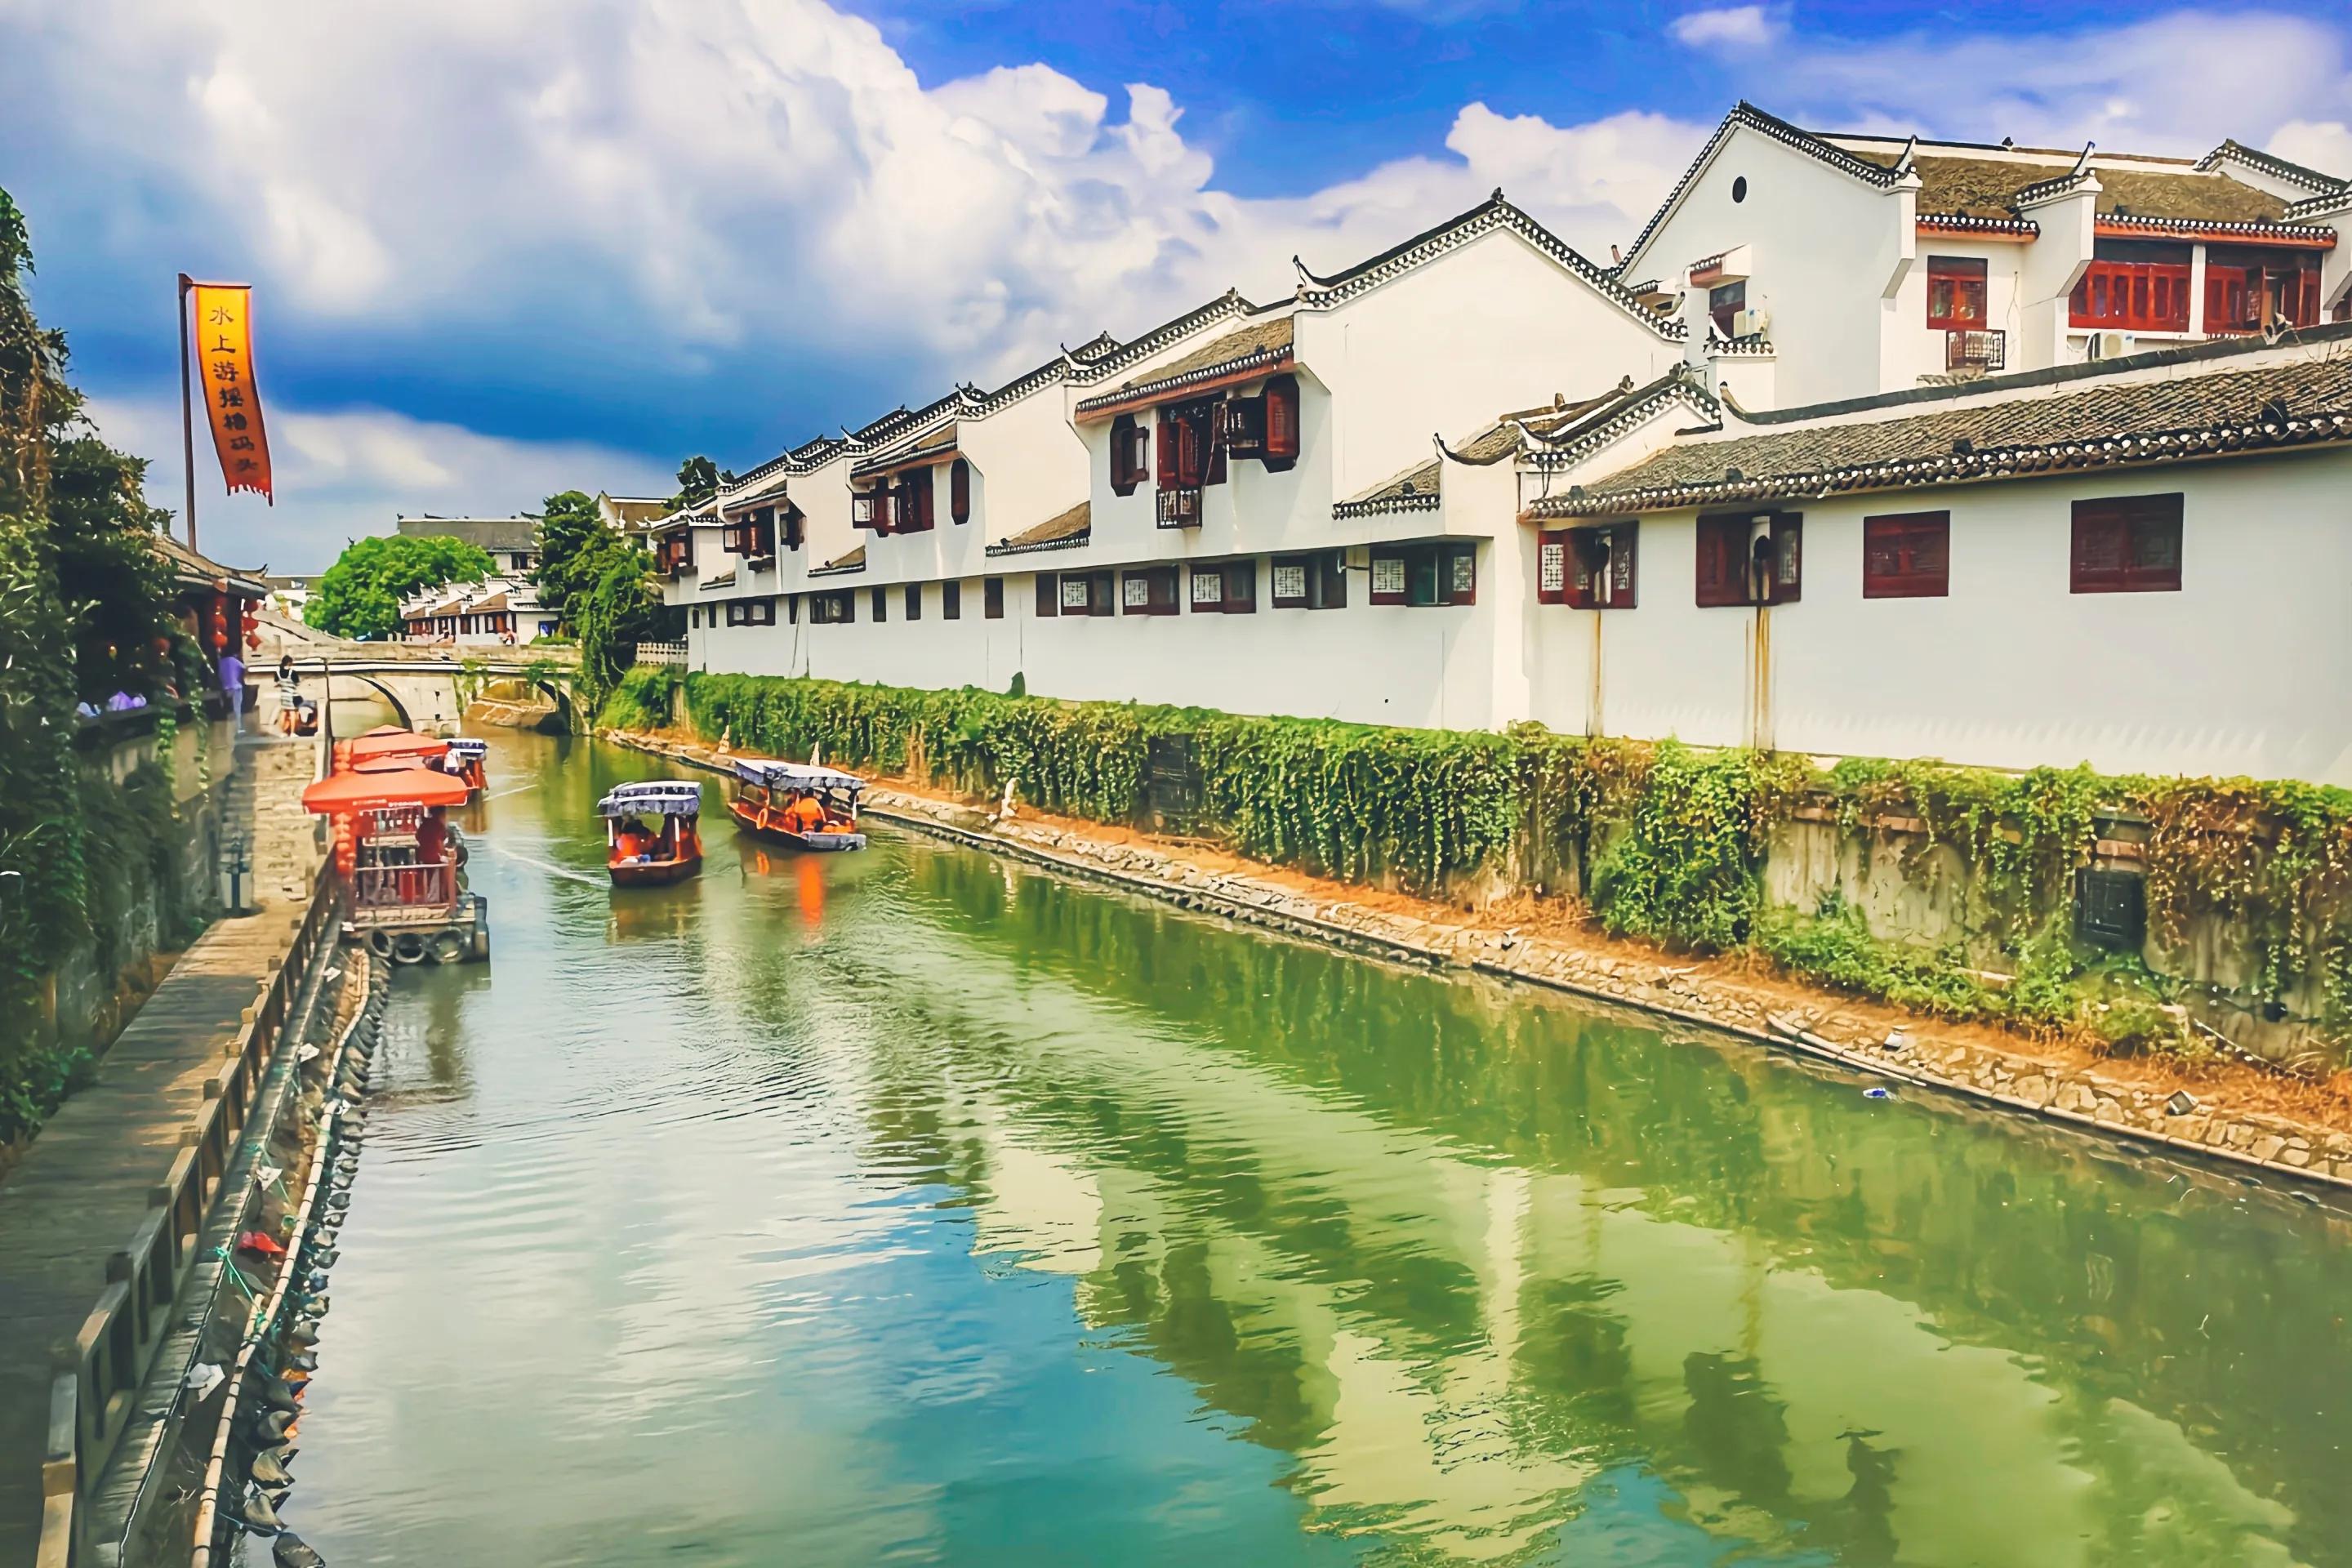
column 426, row 685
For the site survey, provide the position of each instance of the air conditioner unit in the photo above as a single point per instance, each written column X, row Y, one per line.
column 2110, row 346
column 1750, row 324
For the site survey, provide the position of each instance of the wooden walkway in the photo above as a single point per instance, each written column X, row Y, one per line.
column 83, row 1189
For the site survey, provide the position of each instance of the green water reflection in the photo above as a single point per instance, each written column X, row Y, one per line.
column 917, row 1206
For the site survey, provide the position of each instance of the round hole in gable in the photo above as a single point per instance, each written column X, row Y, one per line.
column 1739, row 189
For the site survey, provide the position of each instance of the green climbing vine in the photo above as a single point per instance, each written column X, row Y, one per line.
column 1664, row 841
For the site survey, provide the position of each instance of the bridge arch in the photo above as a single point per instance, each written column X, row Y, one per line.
column 399, row 708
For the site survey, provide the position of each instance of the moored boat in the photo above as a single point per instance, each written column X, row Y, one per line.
column 653, row 832
column 797, row 803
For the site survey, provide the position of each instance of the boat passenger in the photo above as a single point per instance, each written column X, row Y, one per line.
column 633, row 840
column 806, row 814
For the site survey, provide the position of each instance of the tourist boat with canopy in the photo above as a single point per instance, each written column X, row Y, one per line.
column 388, row 741
column 640, row 854
column 398, row 862
column 798, row 803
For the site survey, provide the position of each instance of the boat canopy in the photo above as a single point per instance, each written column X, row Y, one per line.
column 663, row 797
column 467, row 746
column 378, row 789
column 388, row 741
column 770, row 773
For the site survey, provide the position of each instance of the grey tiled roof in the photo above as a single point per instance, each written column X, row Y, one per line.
column 1064, row 531
column 853, row 562
column 1999, row 429
column 1261, row 345
column 1415, row 489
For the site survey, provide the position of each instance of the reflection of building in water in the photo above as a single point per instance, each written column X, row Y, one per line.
column 1452, row 1348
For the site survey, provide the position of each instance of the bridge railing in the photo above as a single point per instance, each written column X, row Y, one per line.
column 661, row 653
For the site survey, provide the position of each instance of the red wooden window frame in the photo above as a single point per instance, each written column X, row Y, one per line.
column 951, row 601
column 1727, row 559
column 751, row 538
column 1724, row 304
column 911, row 499
column 1282, row 438
column 2126, row 545
column 2133, row 286
column 1591, row 568
column 1209, row 573
column 1159, row 596
column 1240, row 587
column 1049, row 595
column 959, row 490
column 914, row 601
column 1322, row 584
column 1956, row 293
column 1907, row 555
column 1426, row 576
column 992, row 598
column 1129, row 454
column 2242, row 282
column 880, row 606
column 795, row 526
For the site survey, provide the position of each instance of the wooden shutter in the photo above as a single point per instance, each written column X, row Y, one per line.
column 1459, row 566
column 959, row 490
column 1281, row 421
column 1123, row 475
column 1787, row 585
column 1722, row 560
column 1906, row 555
column 1240, row 587
column 951, row 601
column 1552, row 568
column 1171, row 454
column 1049, row 595
column 881, row 605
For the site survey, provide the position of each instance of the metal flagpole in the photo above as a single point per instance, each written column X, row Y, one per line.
column 187, row 416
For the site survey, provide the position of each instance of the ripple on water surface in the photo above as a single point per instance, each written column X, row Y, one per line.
column 912, row 1206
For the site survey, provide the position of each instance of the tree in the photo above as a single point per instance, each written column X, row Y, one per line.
column 623, row 609
column 359, row 597
column 698, row 480
column 571, row 536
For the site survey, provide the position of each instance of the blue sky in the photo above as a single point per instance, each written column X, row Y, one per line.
column 505, row 246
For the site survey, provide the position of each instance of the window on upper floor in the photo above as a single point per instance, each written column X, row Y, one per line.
column 835, row 609
column 2126, row 545
column 911, row 499
column 870, row 508
column 959, row 490
column 1282, row 439
column 2133, row 286
column 1590, row 568
column 1723, row 301
column 1130, row 454
column 1752, row 558
column 1906, row 555
column 1956, row 293
column 2248, row 289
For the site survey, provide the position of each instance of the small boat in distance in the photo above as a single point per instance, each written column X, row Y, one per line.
column 797, row 803
column 652, row 832
column 469, row 759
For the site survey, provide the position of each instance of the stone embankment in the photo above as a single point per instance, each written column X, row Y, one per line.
column 1816, row 1025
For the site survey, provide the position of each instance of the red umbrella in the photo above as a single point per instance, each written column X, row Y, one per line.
column 376, row 790
column 387, row 742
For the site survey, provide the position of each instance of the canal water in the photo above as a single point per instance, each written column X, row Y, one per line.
column 916, row 1206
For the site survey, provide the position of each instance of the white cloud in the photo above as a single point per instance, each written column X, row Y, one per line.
column 350, row 473
column 2325, row 146
column 1727, row 27
column 2170, row 84
column 733, row 177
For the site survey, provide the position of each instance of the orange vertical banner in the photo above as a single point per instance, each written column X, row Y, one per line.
column 224, row 338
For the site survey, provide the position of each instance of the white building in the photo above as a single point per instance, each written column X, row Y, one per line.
column 1464, row 483
column 496, row 611
column 511, row 542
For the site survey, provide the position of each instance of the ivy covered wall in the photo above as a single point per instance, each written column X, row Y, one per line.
column 2247, row 884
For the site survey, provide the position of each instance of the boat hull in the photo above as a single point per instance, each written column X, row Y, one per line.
column 652, row 873
column 792, row 837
